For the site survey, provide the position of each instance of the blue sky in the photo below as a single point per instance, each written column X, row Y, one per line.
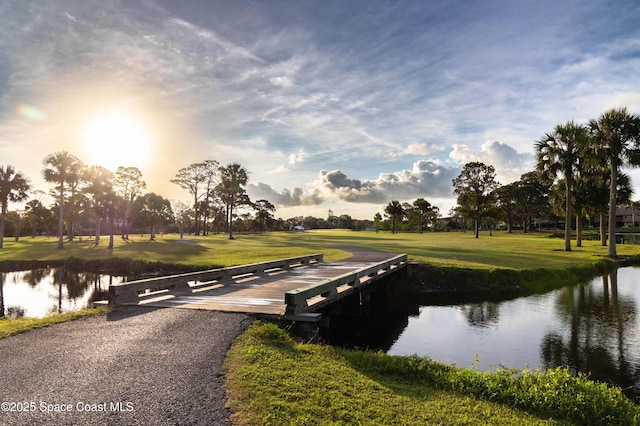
column 341, row 105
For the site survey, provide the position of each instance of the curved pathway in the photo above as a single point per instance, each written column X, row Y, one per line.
column 134, row 366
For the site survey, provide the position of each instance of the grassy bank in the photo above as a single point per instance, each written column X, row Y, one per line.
column 430, row 278
column 10, row 326
column 273, row 380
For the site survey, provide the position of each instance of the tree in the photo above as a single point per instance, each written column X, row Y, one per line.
column 211, row 173
column 200, row 179
column 75, row 200
column 617, row 134
column 474, row 187
column 36, row 212
column 232, row 179
column 60, row 168
column 263, row 213
column 99, row 188
column 534, row 197
column 394, row 210
column 422, row 207
column 377, row 221
column 13, row 188
column 433, row 215
column 152, row 210
column 507, row 200
column 128, row 185
column 192, row 178
column 596, row 197
column 558, row 153
column 183, row 216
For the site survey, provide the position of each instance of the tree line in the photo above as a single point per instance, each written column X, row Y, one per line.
column 578, row 172
column 578, row 175
column 88, row 198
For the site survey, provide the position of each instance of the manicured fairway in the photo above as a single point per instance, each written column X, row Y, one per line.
column 503, row 250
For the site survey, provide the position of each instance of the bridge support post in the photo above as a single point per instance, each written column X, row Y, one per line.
column 365, row 296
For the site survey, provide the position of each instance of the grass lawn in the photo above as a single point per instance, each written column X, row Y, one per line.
column 460, row 249
column 273, row 380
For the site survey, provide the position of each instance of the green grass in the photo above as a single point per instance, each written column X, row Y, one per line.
column 459, row 249
column 10, row 326
column 273, row 380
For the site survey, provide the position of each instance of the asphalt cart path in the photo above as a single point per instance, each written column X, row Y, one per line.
column 133, row 366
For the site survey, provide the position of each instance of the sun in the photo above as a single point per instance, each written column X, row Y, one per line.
column 116, row 139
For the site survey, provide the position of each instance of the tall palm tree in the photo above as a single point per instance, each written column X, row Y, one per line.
column 617, row 134
column 60, row 168
column 232, row 179
column 13, row 188
column 558, row 152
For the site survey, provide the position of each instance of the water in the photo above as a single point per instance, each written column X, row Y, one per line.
column 42, row 292
column 592, row 327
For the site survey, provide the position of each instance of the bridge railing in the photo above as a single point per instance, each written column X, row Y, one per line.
column 132, row 290
column 327, row 291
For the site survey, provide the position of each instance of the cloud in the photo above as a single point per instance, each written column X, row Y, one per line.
column 426, row 179
column 298, row 157
column 509, row 164
column 281, row 81
column 285, row 198
column 630, row 100
column 422, row 149
column 280, row 169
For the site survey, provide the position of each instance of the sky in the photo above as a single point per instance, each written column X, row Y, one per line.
column 329, row 105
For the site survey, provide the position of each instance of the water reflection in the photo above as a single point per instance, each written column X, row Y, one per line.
column 40, row 292
column 599, row 326
column 592, row 327
column 481, row 314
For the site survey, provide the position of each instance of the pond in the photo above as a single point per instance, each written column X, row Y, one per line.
column 41, row 292
column 592, row 327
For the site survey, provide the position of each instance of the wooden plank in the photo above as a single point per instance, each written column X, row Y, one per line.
column 133, row 289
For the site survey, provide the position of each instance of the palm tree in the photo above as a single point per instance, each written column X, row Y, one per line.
column 232, row 179
column 60, row 168
column 13, row 188
column 559, row 152
column 617, row 134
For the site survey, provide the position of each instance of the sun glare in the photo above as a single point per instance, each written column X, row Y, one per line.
column 116, row 139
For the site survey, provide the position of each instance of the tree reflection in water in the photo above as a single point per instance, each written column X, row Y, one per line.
column 598, row 325
column 40, row 292
column 482, row 314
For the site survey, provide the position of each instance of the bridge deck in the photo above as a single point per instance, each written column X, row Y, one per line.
column 262, row 293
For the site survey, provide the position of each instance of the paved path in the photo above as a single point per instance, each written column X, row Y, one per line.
column 159, row 366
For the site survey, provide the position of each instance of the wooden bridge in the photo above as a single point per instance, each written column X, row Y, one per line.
column 294, row 288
